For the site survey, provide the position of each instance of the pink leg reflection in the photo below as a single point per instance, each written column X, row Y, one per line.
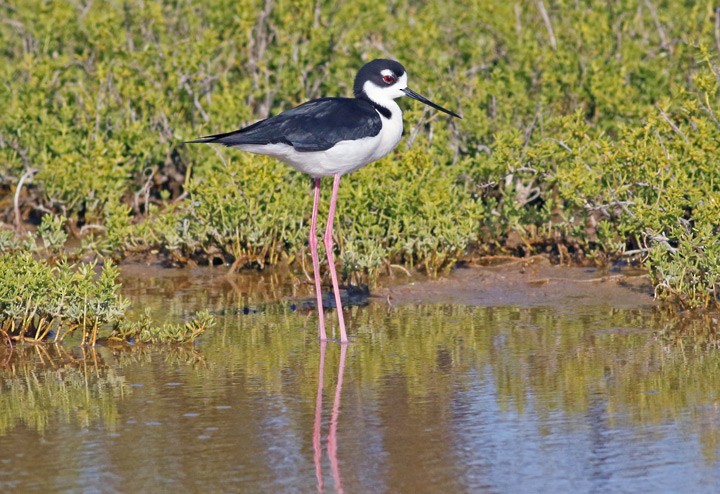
column 332, row 445
column 318, row 418
column 332, row 437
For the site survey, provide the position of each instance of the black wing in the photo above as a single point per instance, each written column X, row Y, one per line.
column 313, row 126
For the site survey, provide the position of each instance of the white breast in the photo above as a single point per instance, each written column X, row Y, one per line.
column 345, row 156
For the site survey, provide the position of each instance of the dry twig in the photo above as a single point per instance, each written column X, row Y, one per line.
column 548, row 24
column 16, row 201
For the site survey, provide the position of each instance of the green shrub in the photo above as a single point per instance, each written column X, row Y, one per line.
column 40, row 301
column 44, row 302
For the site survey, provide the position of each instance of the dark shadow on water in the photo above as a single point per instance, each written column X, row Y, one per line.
column 350, row 297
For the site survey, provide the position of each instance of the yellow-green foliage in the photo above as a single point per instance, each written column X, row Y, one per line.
column 590, row 128
column 44, row 302
column 39, row 301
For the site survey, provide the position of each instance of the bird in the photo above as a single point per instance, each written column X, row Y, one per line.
column 331, row 137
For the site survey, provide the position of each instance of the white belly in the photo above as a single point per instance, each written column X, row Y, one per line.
column 344, row 157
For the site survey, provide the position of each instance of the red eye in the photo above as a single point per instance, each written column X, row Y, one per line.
column 388, row 79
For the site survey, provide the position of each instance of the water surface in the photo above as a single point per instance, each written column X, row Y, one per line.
column 426, row 398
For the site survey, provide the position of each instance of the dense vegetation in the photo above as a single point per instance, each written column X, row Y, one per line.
column 591, row 131
column 43, row 302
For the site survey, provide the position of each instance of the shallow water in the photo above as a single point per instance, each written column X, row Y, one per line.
column 426, row 398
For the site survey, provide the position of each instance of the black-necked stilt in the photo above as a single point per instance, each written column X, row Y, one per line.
column 331, row 137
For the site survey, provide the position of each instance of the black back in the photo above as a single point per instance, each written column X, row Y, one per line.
column 313, row 126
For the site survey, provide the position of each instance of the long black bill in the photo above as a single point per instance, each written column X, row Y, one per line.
column 423, row 99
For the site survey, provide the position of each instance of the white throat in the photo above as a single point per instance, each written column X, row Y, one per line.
column 392, row 128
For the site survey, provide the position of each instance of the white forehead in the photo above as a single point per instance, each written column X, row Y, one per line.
column 402, row 81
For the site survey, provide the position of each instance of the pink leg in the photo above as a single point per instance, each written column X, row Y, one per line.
column 329, row 244
column 312, row 240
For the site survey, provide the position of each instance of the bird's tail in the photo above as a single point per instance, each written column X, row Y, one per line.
column 203, row 140
column 227, row 138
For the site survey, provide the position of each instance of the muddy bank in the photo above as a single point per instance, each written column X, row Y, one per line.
column 528, row 283
column 525, row 283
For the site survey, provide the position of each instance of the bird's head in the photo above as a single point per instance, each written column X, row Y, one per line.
column 383, row 80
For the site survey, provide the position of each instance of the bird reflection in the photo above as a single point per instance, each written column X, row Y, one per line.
column 318, row 418
column 332, row 445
